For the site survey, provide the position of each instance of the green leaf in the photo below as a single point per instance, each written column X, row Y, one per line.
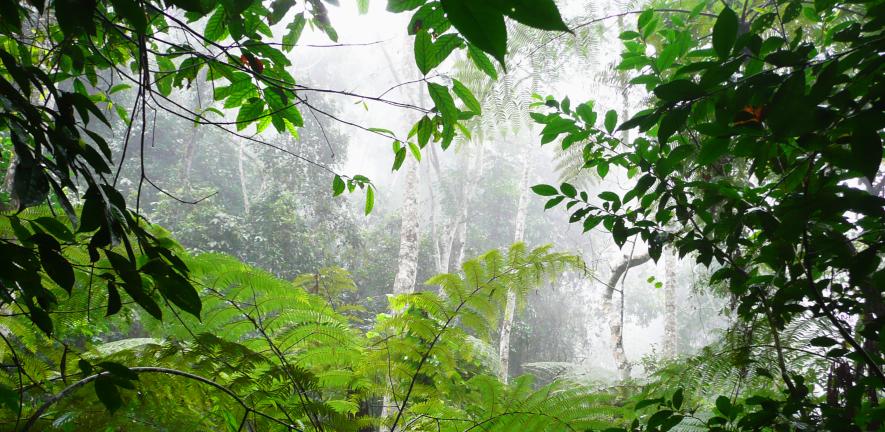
column 866, row 151
column 678, row 398
column 647, row 402
column 132, row 283
column 290, row 39
column 399, row 158
column 119, row 370
column 114, row 302
column 678, row 90
column 590, row 222
column 610, row 196
column 337, row 185
column 430, row 17
column 540, row 14
column 644, row 18
column 75, row 16
column 611, row 120
column 278, row 10
column 133, row 13
column 250, row 113
column 425, row 130
column 58, row 268
column 586, row 113
column 672, row 122
column 723, row 404
column 552, row 202
column 370, row 199
column 429, row 54
column 602, row 169
column 443, row 102
column 215, row 27
column 466, row 96
column 481, row 60
column 166, row 77
column 54, row 227
column 403, row 5
column 725, row 32
column 9, row 398
column 480, row 23
column 544, row 190
column 823, row 341
column 416, row 151
column 362, row 6
column 711, row 150
column 179, row 292
column 568, row 190
column 201, row 7
column 107, row 393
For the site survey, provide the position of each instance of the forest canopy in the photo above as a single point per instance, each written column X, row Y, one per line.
column 186, row 245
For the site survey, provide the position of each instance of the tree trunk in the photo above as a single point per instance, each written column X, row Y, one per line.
column 242, row 172
column 407, row 272
column 435, row 231
column 459, row 233
column 408, row 243
column 616, row 319
column 510, row 308
column 670, row 337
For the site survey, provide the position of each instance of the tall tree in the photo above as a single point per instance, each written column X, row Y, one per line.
column 510, row 306
column 407, row 271
column 670, row 345
column 616, row 316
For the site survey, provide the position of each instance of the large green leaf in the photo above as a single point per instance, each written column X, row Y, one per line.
column 481, row 23
column 403, row 5
column 443, row 101
column 215, row 26
column 481, row 60
column 540, row 14
column 429, row 54
column 678, row 90
column 466, row 96
column 132, row 12
column 725, row 32
column 290, row 39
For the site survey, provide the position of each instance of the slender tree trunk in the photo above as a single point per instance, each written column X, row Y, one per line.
column 510, row 308
column 407, row 272
column 191, row 145
column 242, row 172
column 189, row 150
column 459, row 233
column 408, row 243
column 670, row 336
column 434, row 229
column 616, row 318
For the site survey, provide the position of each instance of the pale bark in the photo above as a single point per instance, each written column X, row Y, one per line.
column 434, row 229
column 190, row 149
column 441, row 240
column 670, row 318
column 242, row 172
column 407, row 271
column 510, row 307
column 408, row 243
column 459, row 233
column 616, row 319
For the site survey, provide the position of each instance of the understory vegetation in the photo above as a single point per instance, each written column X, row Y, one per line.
column 592, row 215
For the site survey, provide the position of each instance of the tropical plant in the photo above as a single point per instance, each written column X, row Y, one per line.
column 62, row 60
column 761, row 150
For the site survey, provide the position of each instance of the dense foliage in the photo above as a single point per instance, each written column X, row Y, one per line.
column 759, row 156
